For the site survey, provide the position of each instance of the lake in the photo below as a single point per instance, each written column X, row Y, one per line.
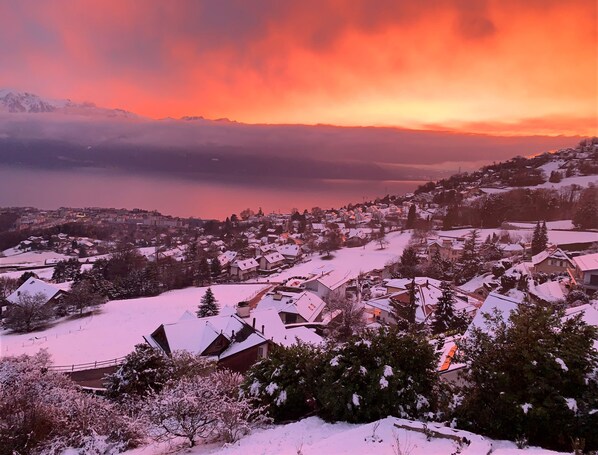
column 50, row 189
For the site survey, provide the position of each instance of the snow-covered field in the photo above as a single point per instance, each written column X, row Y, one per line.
column 29, row 258
column 313, row 436
column 559, row 237
column 117, row 326
column 351, row 261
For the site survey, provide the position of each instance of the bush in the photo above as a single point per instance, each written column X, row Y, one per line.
column 383, row 373
column 532, row 378
column 43, row 411
column 286, row 382
column 147, row 370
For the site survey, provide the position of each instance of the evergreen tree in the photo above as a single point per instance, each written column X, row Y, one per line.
column 469, row 263
column 215, row 268
column 204, row 273
column 533, row 377
column 539, row 238
column 404, row 314
column 411, row 217
column 445, row 309
column 586, row 215
column 208, row 306
column 409, row 262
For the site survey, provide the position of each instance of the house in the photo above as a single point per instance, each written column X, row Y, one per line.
column 228, row 339
column 552, row 260
column 52, row 293
column 243, row 269
column 328, row 282
column 271, row 261
column 586, row 271
column 233, row 342
column 428, row 292
column 449, row 248
column 293, row 306
column 226, row 258
column 291, row 252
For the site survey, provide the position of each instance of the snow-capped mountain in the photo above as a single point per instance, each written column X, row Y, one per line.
column 16, row 102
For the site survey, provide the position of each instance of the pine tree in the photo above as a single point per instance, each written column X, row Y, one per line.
column 411, row 217
column 445, row 309
column 469, row 263
column 543, row 236
column 203, row 272
column 404, row 314
column 208, row 306
column 215, row 268
column 409, row 263
column 537, row 240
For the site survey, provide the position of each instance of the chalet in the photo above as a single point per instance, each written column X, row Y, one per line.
column 586, row 271
column 449, row 248
column 291, row 252
column 293, row 306
column 226, row 259
column 243, row 269
column 233, row 342
column 52, row 293
column 552, row 260
column 271, row 261
column 328, row 282
column 226, row 339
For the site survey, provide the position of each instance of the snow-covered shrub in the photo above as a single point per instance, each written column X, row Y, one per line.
column 188, row 408
column 41, row 410
column 380, row 373
column 286, row 382
column 147, row 370
column 577, row 297
column 534, row 377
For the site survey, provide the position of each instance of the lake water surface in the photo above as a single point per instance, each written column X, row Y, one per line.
column 181, row 197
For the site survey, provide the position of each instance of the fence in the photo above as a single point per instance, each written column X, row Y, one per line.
column 88, row 366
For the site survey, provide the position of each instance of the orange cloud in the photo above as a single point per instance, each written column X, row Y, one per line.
column 491, row 66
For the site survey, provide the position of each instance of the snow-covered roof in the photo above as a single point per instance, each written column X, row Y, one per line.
column 550, row 291
column 227, row 257
column 586, row 262
column 274, row 257
column 305, row 304
column 34, row 286
column 332, row 279
column 552, row 253
column 246, row 264
column 291, row 250
column 275, row 330
column 503, row 304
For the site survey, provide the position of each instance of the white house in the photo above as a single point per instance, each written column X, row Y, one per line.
column 271, row 261
column 586, row 271
column 243, row 269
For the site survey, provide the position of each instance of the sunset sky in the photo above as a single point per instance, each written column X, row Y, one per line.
column 500, row 67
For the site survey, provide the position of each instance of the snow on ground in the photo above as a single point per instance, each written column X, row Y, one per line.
column 554, row 236
column 45, row 273
column 313, row 436
column 581, row 180
column 117, row 326
column 30, row 258
column 559, row 224
column 350, row 261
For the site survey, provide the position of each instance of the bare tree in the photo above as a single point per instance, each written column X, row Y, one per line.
column 347, row 315
column 7, row 286
column 28, row 313
column 188, row 409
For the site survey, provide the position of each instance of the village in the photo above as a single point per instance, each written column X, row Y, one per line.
column 241, row 292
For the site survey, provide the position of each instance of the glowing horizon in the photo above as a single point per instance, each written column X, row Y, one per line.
column 490, row 67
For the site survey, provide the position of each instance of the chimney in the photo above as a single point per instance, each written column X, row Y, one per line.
column 233, row 334
column 263, row 333
column 253, row 323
